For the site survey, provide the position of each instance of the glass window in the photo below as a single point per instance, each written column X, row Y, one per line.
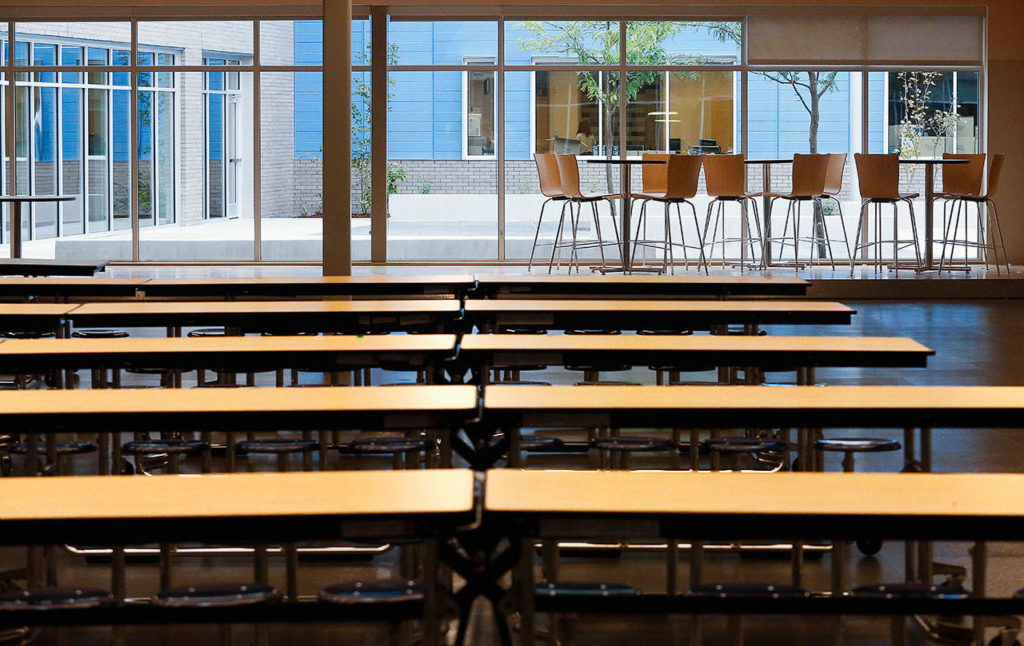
column 70, row 56
column 71, row 168
column 576, row 112
column 97, row 172
column 682, row 111
column 480, row 114
column 121, row 57
column 97, row 56
column 576, row 42
column 659, row 42
column 442, row 42
column 45, row 55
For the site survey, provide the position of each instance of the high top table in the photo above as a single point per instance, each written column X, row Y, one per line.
column 16, row 201
column 627, row 198
column 929, row 206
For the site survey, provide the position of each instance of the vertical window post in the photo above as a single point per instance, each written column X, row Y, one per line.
column 378, row 133
column 337, row 236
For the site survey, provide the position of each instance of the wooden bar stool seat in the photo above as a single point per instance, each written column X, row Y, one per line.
column 391, row 590
column 216, row 595
column 55, row 598
column 584, row 589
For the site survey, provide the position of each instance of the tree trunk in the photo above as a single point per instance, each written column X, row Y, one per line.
column 814, row 103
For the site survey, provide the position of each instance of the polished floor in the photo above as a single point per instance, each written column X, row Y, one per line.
column 976, row 342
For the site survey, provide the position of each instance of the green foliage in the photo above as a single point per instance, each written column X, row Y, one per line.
column 915, row 92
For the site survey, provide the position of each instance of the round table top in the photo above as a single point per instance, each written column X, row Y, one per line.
column 37, row 198
column 915, row 160
column 605, row 160
column 768, row 161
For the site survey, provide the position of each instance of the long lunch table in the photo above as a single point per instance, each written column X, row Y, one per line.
column 265, row 507
column 531, row 504
column 43, row 266
column 64, row 288
column 328, row 353
column 103, row 412
column 440, row 285
column 499, row 314
column 274, row 316
column 34, row 317
column 637, row 286
column 481, row 352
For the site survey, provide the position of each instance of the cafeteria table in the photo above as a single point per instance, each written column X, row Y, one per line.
column 423, row 286
column 636, row 286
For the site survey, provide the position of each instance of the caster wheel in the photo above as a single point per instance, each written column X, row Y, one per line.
column 127, row 468
column 869, row 546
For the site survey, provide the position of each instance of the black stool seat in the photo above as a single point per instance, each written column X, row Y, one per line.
column 732, row 445
column 372, row 591
column 632, row 444
column 177, row 447
column 542, row 444
column 55, row 598
column 26, row 334
column 276, row 446
column 523, row 382
column 858, row 445
column 593, row 331
column 63, row 448
column 664, row 332
column 523, row 330
column 909, row 591
column 208, row 331
column 584, row 589
column 99, row 333
column 748, row 590
column 216, row 595
column 384, row 445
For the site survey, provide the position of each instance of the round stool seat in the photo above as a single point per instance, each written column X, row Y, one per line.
column 207, row 331
column 732, row 445
column 176, row 447
column 55, row 598
column 748, row 590
column 99, row 333
column 372, row 591
column 664, row 332
column 63, row 448
column 383, row 445
column 593, row 331
column 26, row 334
column 858, row 445
column 276, row 446
column 542, row 444
column 216, row 595
column 909, row 591
column 584, row 589
column 523, row 330
column 632, row 444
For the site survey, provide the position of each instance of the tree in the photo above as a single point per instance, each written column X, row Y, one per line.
column 361, row 129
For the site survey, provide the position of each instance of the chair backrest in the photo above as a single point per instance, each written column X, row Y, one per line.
column 547, row 171
column 834, row 176
column 809, row 173
column 683, row 176
column 994, row 171
column 569, row 175
column 725, row 175
column 963, row 179
column 655, row 176
column 878, row 176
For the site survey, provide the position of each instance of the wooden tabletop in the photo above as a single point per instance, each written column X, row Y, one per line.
column 643, row 285
column 35, row 309
column 45, row 266
column 829, row 505
column 307, row 285
column 258, row 505
column 588, row 306
column 177, row 352
column 226, row 409
column 742, row 406
column 719, row 349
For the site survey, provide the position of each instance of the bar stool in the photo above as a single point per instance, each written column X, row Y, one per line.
column 63, row 449
column 219, row 595
column 879, row 179
column 989, row 227
column 833, row 187
column 672, row 183
column 569, row 178
column 388, row 592
column 405, row 452
column 959, row 180
column 907, row 591
column 551, row 188
column 726, row 179
column 810, row 173
column 621, row 449
column 737, row 447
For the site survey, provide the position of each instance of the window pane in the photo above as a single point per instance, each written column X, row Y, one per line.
column 97, row 56
column 71, row 56
column 677, row 111
column 98, row 169
column 572, row 113
column 480, row 114
column 120, row 57
column 43, row 54
column 683, row 43
column 441, row 206
column 562, row 42
column 121, row 159
column 165, row 200
column 145, row 152
column 72, row 143
column 45, row 160
column 442, row 42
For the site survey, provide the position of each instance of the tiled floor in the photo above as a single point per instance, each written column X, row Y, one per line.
column 975, row 343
